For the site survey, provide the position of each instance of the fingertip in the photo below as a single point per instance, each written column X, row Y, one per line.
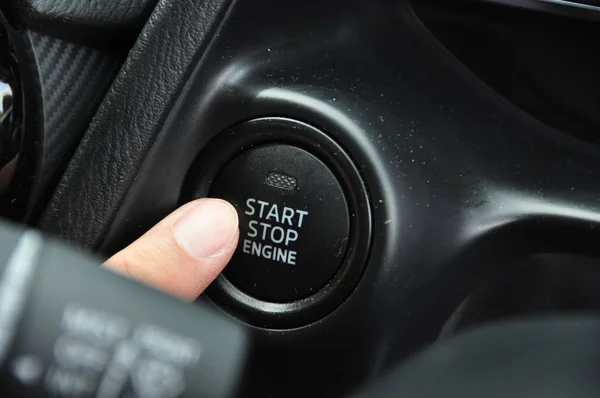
column 186, row 251
column 208, row 229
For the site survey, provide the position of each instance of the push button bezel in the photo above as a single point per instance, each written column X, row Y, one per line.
column 274, row 130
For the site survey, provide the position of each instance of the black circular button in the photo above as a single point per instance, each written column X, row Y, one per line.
column 294, row 222
column 305, row 220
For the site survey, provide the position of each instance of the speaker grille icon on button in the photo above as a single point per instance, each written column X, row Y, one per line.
column 281, row 181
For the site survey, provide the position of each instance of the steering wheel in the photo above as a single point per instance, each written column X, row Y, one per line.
column 381, row 175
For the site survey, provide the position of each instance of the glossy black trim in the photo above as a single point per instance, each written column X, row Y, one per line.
column 573, row 9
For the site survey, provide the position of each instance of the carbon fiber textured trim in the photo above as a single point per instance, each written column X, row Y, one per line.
column 74, row 79
column 104, row 24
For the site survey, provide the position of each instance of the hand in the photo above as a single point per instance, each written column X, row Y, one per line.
column 185, row 252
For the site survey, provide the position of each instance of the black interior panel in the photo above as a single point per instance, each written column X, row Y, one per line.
column 160, row 62
column 474, row 139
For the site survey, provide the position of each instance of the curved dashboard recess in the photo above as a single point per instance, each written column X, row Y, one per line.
column 459, row 179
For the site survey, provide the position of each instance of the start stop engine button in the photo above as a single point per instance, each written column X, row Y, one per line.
column 294, row 222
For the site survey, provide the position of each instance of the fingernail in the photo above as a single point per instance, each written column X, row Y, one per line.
column 208, row 229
